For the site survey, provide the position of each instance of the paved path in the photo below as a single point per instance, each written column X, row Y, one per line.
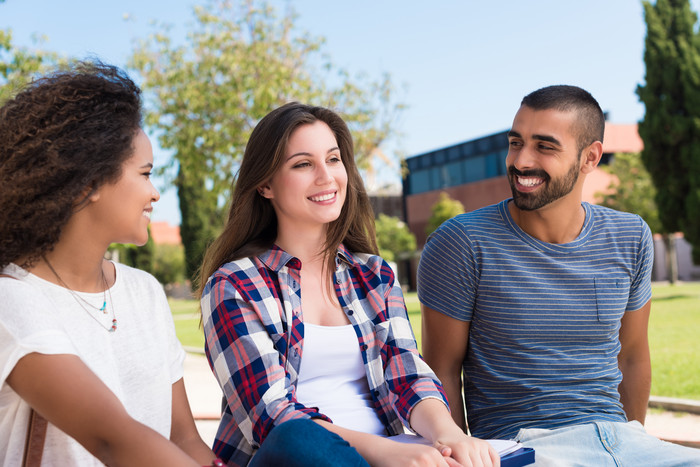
column 205, row 399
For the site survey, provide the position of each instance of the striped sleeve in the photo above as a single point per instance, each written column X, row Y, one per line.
column 447, row 274
column 640, row 290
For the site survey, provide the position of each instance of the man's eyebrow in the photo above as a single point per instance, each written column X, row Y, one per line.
column 547, row 138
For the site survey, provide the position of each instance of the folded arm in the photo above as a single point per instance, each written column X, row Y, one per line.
column 71, row 397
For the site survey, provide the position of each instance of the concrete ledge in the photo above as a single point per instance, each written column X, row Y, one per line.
column 207, row 416
column 689, row 444
column 194, row 350
column 675, row 405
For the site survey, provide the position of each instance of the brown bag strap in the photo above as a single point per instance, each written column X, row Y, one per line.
column 34, row 446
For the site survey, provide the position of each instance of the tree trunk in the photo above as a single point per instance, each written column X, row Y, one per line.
column 671, row 258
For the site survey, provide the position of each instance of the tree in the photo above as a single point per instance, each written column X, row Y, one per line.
column 140, row 257
column 670, row 128
column 239, row 62
column 18, row 65
column 445, row 208
column 169, row 264
column 393, row 237
column 632, row 190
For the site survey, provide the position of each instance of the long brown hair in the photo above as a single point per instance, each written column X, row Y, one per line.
column 251, row 227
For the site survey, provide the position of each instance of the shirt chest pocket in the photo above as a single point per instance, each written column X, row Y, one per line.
column 611, row 296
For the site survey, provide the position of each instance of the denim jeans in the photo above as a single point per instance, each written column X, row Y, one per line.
column 304, row 443
column 602, row 444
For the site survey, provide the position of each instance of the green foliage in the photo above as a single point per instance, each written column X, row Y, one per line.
column 238, row 63
column 393, row 237
column 671, row 125
column 169, row 264
column 632, row 191
column 18, row 65
column 445, row 208
column 139, row 257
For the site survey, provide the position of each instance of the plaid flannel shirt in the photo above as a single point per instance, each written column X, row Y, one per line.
column 255, row 353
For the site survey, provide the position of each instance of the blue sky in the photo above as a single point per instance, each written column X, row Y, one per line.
column 463, row 66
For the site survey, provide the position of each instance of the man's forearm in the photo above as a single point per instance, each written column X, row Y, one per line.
column 453, row 388
column 635, row 388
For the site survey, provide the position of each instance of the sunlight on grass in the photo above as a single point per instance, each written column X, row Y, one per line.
column 674, row 328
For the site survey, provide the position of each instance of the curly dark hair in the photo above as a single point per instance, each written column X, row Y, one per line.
column 62, row 137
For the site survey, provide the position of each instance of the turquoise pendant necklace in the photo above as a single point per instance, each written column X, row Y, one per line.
column 82, row 301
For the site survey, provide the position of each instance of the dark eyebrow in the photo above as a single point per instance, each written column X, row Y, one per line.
column 336, row 148
column 546, row 138
column 147, row 165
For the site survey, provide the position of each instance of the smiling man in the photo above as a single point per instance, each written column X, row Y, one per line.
column 535, row 310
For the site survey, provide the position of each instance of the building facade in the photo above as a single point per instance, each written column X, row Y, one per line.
column 474, row 173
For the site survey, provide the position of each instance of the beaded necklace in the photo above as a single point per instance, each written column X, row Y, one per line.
column 80, row 300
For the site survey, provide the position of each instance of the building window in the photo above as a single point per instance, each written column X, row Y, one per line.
column 475, row 169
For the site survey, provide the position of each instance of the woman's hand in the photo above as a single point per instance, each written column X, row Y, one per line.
column 388, row 453
column 466, row 450
column 430, row 419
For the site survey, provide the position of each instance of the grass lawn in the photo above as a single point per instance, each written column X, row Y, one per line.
column 186, row 317
column 674, row 339
column 674, row 331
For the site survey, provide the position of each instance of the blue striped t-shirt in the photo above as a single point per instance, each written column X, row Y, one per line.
column 544, row 318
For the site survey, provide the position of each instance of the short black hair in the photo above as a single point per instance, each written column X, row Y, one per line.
column 591, row 120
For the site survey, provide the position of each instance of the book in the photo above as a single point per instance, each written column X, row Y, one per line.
column 521, row 456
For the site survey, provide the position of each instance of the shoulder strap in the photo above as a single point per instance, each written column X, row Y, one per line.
column 34, row 446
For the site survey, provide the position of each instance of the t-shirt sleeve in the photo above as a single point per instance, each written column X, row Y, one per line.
column 176, row 353
column 25, row 327
column 640, row 289
column 447, row 273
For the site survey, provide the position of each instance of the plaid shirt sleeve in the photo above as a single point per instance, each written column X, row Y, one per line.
column 246, row 345
column 408, row 378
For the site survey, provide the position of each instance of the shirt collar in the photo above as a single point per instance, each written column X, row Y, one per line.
column 276, row 258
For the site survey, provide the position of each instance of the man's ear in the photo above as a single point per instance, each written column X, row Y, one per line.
column 590, row 157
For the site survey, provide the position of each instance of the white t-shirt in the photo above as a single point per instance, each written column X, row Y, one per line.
column 139, row 362
column 332, row 377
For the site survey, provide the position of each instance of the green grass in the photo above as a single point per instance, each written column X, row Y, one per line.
column 186, row 317
column 674, row 339
column 674, row 336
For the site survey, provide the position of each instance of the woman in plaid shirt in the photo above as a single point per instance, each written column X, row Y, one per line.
column 301, row 231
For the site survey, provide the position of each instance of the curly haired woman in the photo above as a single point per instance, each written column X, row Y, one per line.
column 86, row 343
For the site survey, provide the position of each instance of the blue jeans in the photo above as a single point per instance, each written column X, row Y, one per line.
column 602, row 444
column 304, row 443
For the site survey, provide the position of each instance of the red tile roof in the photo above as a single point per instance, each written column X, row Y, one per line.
column 622, row 138
column 165, row 234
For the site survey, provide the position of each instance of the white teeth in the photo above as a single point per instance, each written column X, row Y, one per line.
column 529, row 181
column 147, row 214
column 322, row 197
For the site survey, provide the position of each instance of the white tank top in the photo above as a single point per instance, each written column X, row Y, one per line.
column 332, row 377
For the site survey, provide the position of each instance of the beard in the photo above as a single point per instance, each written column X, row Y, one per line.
column 552, row 189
